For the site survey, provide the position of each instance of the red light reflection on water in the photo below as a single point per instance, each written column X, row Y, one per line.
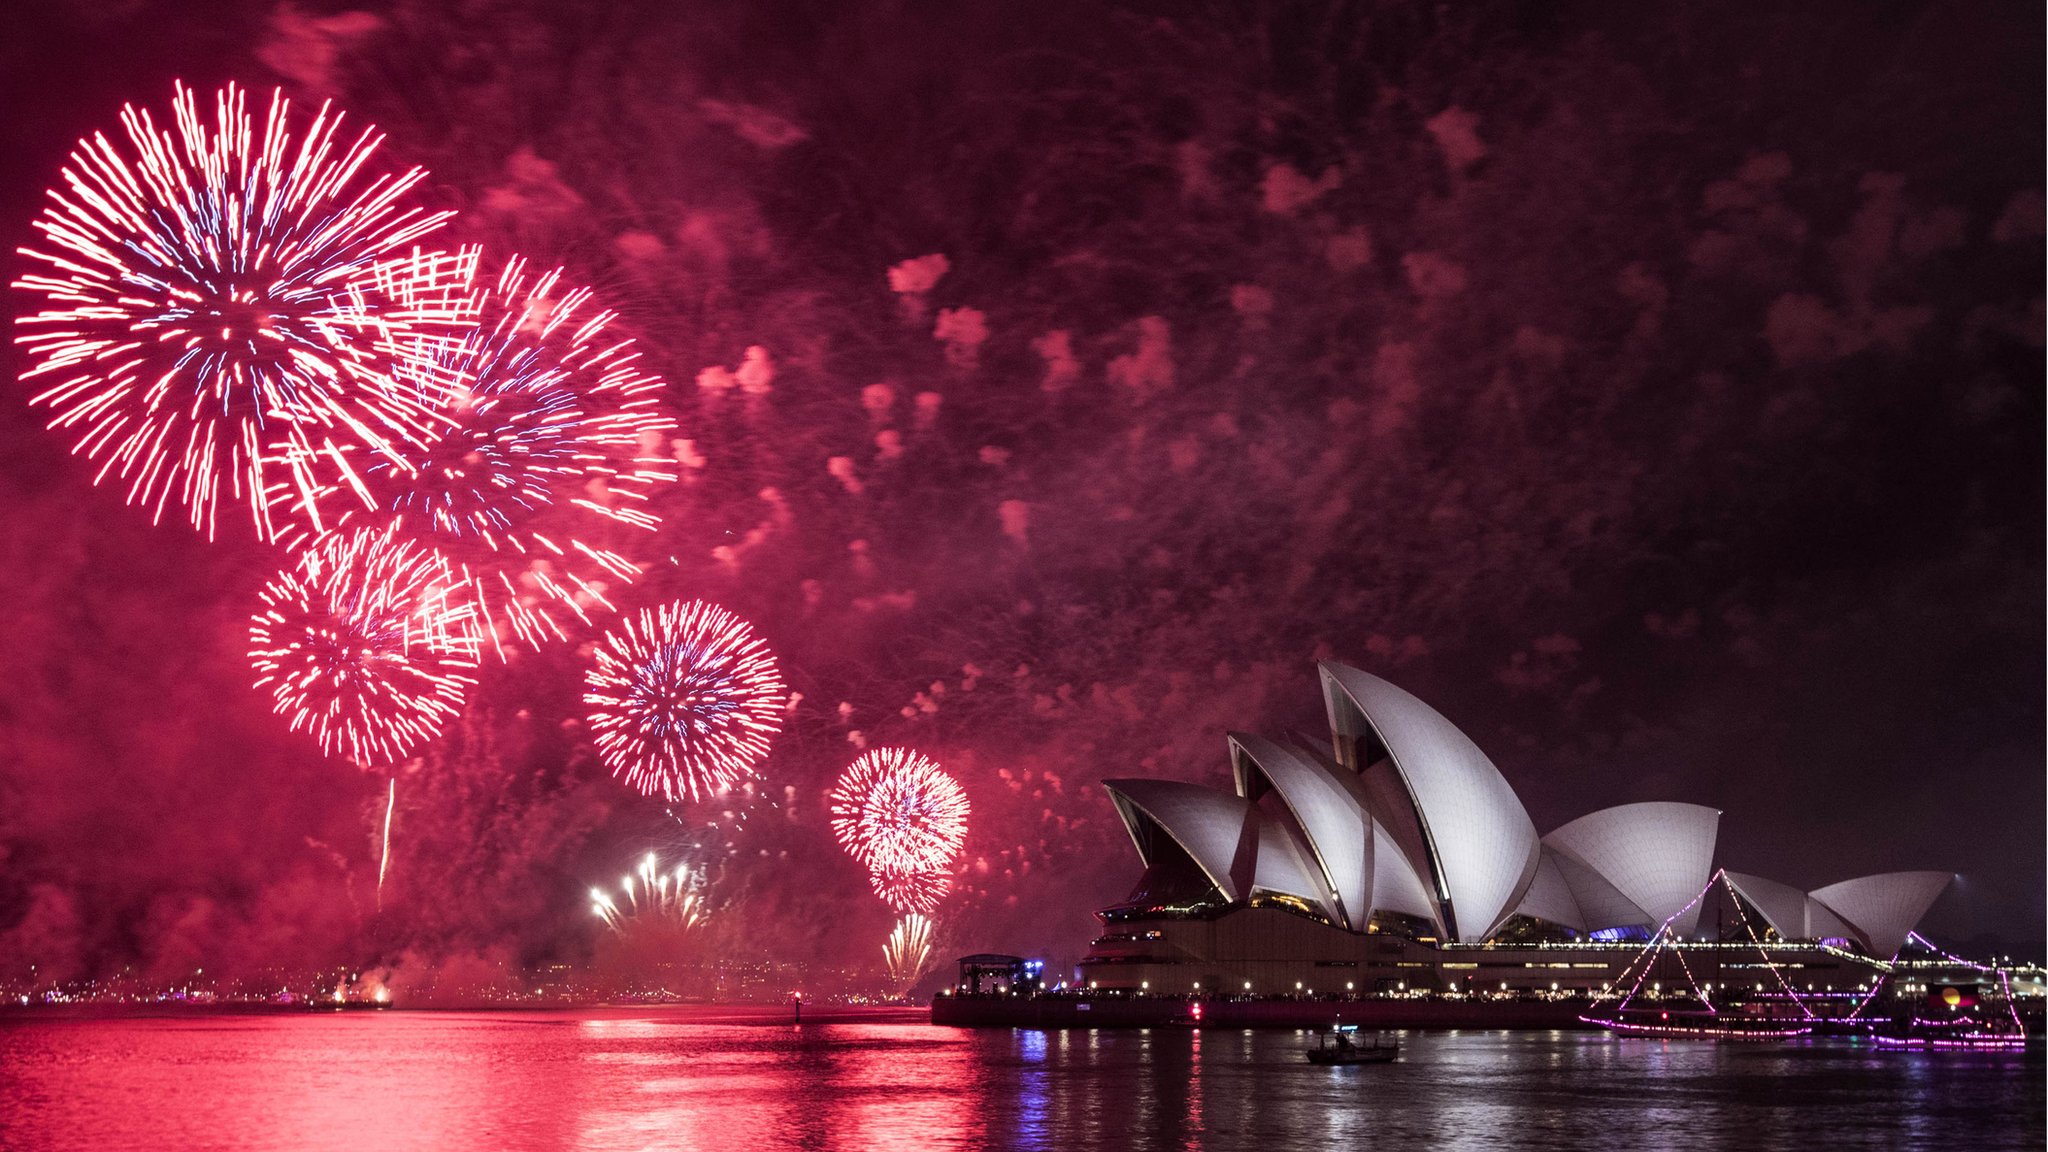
column 452, row 1081
column 722, row 1078
column 850, row 1086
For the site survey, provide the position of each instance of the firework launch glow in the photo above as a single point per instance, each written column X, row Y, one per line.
column 901, row 816
column 908, row 953
column 361, row 644
column 226, row 306
column 652, row 894
column 683, row 701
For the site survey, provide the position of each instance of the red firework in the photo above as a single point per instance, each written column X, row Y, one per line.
column 224, row 305
column 917, row 890
column 683, row 701
column 547, row 433
column 899, row 814
column 361, row 645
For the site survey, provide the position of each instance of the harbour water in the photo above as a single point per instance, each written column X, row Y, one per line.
column 682, row 1078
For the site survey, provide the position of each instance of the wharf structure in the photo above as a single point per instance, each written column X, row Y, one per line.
column 1396, row 863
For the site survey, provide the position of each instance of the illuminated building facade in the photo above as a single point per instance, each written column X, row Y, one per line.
column 1397, row 858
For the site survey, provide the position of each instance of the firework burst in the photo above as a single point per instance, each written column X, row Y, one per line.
column 899, row 814
column 916, row 890
column 225, row 305
column 653, row 894
column 547, row 436
column 683, row 700
column 361, row 645
column 908, row 953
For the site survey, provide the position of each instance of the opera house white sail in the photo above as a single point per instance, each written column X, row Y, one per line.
column 1331, row 817
column 1656, row 856
column 1877, row 912
column 1450, row 810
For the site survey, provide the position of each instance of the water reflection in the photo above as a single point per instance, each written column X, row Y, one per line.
column 678, row 1080
column 1032, row 1089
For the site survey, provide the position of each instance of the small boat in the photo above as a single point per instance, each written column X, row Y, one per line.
column 1700, row 1025
column 1340, row 1046
column 1952, row 1033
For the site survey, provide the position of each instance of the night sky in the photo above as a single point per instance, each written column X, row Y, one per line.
column 1655, row 390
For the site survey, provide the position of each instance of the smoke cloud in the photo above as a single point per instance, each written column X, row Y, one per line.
column 1661, row 401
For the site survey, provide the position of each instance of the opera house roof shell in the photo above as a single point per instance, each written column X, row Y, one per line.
column 1875, row 911
column 1401, row 813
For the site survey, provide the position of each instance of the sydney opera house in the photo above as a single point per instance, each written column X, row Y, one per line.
column 1398, row 858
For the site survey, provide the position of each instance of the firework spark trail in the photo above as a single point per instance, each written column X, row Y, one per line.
column 898, row 813
column 683, row 700
column 384, row 863
column 661, row 896
column 548, row 435
column 908, row 953
column 225, row 305
column 362, row 645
